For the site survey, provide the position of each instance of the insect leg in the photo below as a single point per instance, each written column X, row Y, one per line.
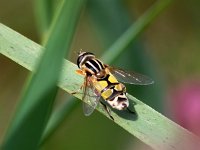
column 78, row 91
column 107, row 110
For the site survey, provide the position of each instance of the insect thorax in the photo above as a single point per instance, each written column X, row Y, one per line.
column 91, row 64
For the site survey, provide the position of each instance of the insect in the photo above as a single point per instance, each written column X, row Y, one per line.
column 104, row 81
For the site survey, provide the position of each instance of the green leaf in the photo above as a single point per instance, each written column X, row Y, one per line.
column 58, row 117
column 148, row 125
column 30, row 120
column 44, row 13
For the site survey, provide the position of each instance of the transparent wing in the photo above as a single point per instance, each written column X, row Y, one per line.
column 130, row 77
column 90, row 97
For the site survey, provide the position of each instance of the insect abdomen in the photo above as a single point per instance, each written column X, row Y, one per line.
column 113, row 92
column 119, row 102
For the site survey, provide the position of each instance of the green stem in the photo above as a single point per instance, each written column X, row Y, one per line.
column 134, row 30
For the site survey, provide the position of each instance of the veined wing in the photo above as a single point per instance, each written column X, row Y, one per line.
column 130, row 77
column 90, row 98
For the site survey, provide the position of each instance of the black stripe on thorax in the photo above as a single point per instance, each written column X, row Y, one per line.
column 90, row 67
column 100, row 63
column 96, row 64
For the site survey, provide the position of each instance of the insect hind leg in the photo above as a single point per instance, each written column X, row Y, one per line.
column 107, row 110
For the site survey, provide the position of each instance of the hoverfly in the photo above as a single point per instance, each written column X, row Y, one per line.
column 104, row 81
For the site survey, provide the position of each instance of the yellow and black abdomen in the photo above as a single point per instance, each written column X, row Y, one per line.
column 106, row 85
column 112, row 91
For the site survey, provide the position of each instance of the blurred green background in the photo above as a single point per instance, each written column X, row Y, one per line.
column 168, row 51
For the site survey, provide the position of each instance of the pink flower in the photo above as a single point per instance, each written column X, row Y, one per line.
column 185, row 105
